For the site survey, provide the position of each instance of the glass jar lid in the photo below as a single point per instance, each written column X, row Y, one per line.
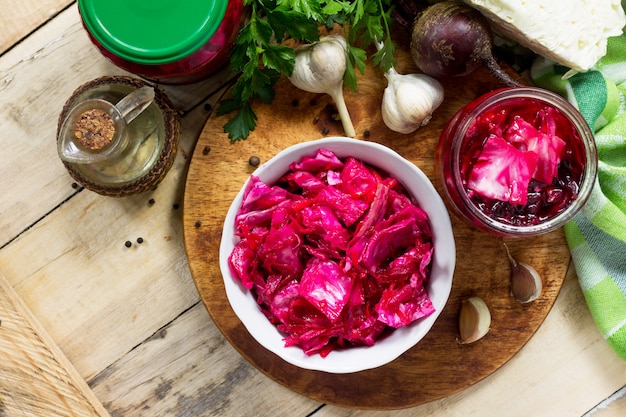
column 152, row 31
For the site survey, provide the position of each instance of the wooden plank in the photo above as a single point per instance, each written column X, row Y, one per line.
column 37, row 379
column 36, row 78
column 568, row 362
column 75, row 260
column 566, row 369
column 19, row 18
column 613, row 406
column 188, row 369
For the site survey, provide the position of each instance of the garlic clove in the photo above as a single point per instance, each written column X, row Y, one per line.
column 526, row 284
column 474, row 320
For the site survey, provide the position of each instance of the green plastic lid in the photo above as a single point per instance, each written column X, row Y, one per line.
column 152, row 31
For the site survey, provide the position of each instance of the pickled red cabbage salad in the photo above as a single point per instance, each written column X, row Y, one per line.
column 336, row 253
column 523, row 162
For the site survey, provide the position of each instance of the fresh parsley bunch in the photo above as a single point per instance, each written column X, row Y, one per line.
column 260, row 58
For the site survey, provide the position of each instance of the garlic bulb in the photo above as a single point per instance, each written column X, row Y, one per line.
column 319, row 68
column 409, row 100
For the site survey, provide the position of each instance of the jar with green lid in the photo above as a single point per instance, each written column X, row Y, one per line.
column 167, row 41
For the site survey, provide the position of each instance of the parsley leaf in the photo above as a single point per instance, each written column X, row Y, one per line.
column 290, row 22
column 368, row 23
column 260, row 59
column 279, row 58
column 310, row 9
column 384, row 57
column 244, row 121
column 356, row 59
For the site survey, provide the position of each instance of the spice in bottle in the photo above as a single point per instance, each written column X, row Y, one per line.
column 94, row 129
column 139, row 154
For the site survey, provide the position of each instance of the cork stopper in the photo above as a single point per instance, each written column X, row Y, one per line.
column 94, row 129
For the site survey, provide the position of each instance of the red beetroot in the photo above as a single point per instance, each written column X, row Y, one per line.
column 452, row 39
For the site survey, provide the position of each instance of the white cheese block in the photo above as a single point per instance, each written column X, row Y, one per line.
column 572, row 33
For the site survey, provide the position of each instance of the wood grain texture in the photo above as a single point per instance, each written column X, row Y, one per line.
column 189, row 369
column 36, row 77
column 37, row 379
column 19, row 18
column 565, row 369
column 62, row 256
column 135, row 329
column 613, row 406
column 438, row 366
column 75, row 260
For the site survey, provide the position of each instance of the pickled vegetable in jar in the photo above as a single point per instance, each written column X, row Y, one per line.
column 166, row 41
column 517, row 162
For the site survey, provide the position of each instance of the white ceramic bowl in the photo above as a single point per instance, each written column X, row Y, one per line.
column 386, row 349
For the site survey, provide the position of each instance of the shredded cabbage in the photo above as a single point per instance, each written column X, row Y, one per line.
column 336, row 253
column 516, row 152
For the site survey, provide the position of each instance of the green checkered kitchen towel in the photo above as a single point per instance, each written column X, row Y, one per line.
column 597, row 236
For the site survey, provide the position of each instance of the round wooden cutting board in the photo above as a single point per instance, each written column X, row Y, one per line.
column 437, row 366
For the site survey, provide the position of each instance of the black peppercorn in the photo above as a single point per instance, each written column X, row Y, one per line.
column 140, row 240
column 74, row 185
column 254, row 161
column 206, row 150
column 367, row 133
column 198, row 224
column 128, row 244
column 151, row 201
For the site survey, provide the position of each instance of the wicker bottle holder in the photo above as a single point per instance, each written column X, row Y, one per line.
column 171, row 128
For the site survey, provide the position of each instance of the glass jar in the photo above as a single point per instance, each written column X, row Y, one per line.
column 517, row 162
column 166, row 41
column 150, row 140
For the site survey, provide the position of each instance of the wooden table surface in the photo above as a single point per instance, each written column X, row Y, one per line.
column 130, row 320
